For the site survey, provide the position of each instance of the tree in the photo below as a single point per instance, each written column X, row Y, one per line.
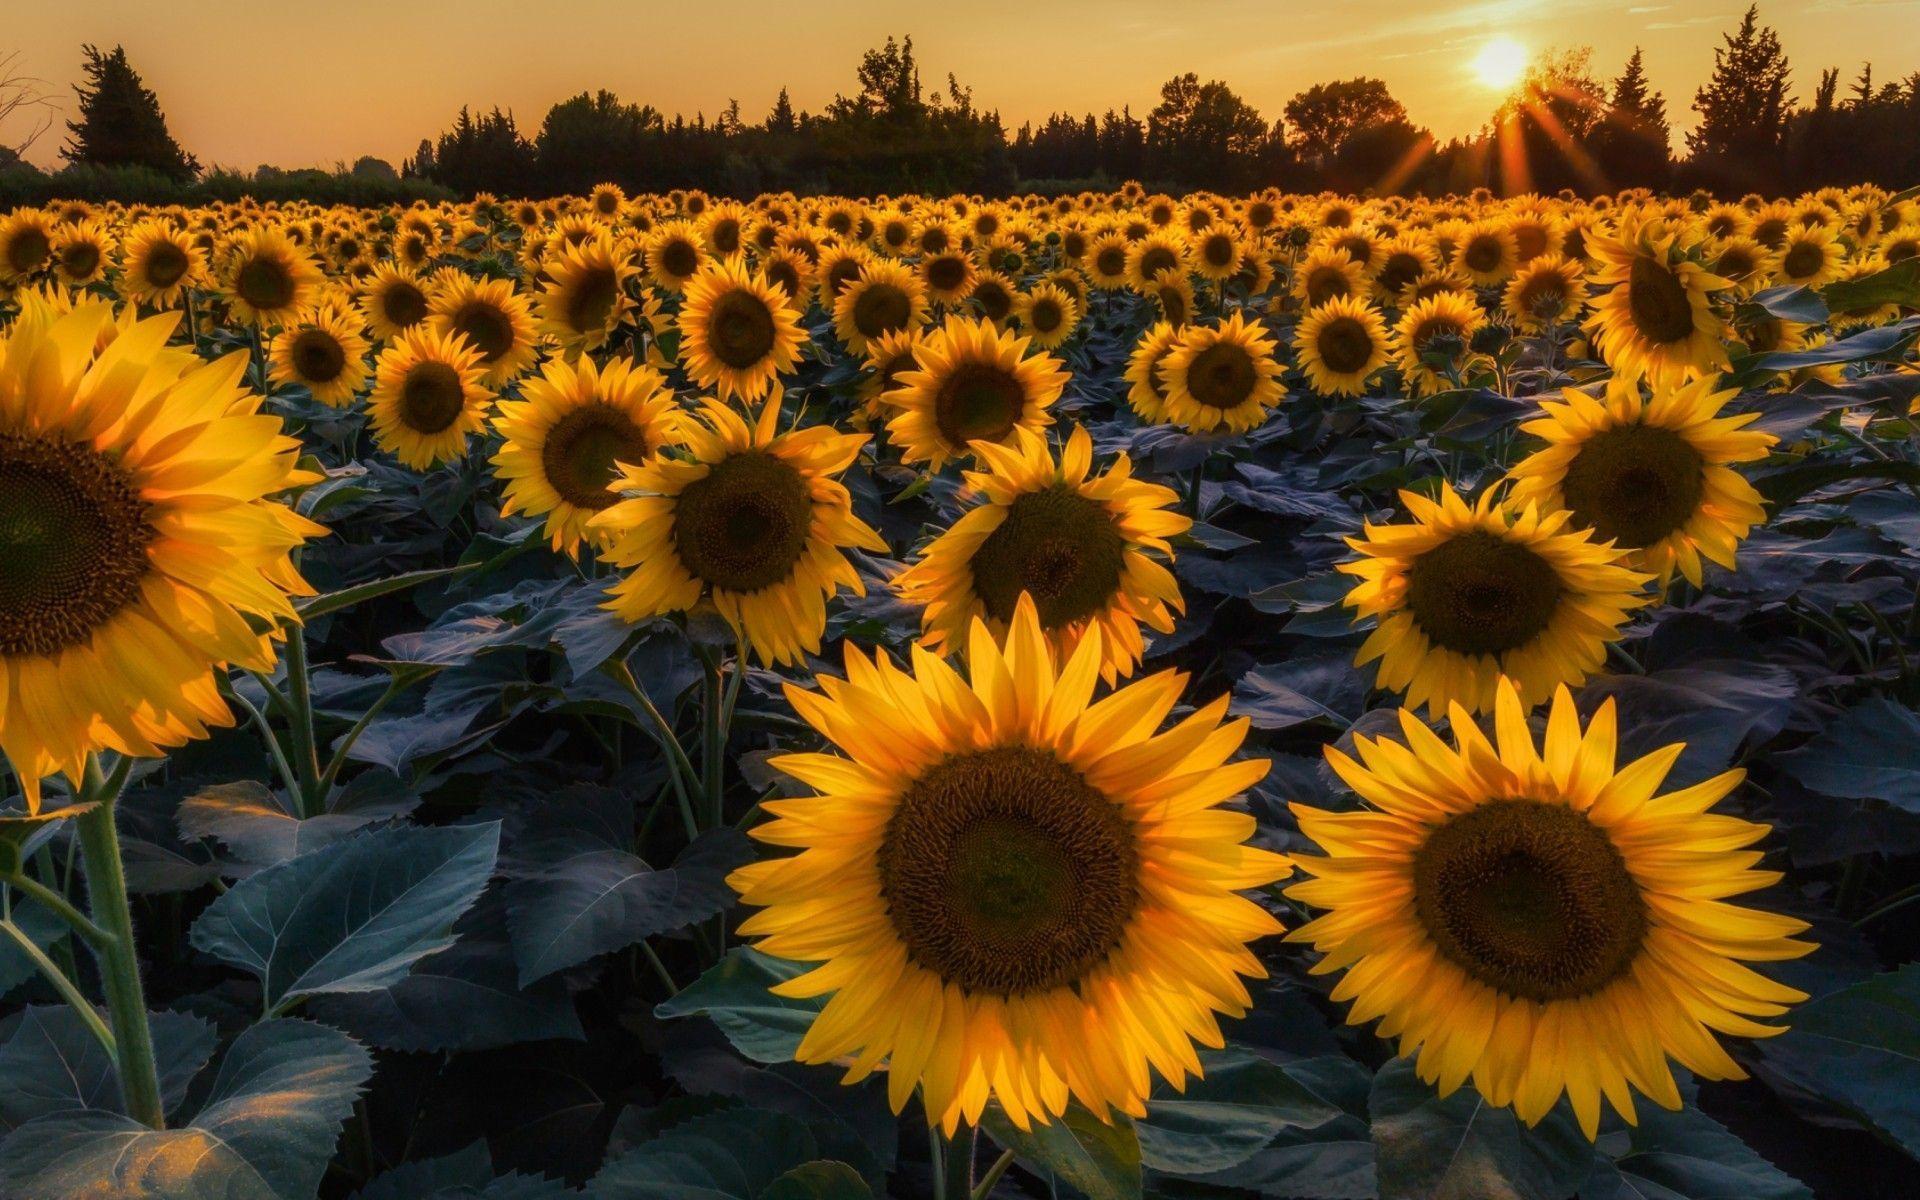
column 1542, row 129
column 120, row 121
column 1203, row 135
column 25, row 106
column 1743, row 109
column 781, row 119
column 369, row 167
column 1633, row 143
column 1323, row 118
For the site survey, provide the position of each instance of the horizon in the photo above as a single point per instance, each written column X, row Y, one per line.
column 380, row 98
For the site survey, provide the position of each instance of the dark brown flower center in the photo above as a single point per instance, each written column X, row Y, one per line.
column 1057, row 546
column 946, row 272
column 166, row 264
column 1479, row 594
column 1658, row 302
column 1005, row 873
column 744, row 525
column 264, row 283
column 80, row 259
column 317, row 356
column 590, row 299
column 979, row 400
column 1803, row 261
column 73, row 543
column 881, row 308
column 403, row 305
column 1530, row 898
column 486, row 326
column 740, row 330
column 1635, row 484
column 1327, row 283
column 678, row 258
column 1222, row 376
column 581, row 450
column 27, row 250
column 1345, row 345
column 432, row 397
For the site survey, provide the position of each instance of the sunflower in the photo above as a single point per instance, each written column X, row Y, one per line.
column 1811, row 257
column 1218, row 252
column 994, row 296
column 950, row 276
column 585, row 298
column 752, row 522
column 1403, row 260
column 1340, row 345
column 1157, row 252
column 26, row 244
column 737, row 332
column 1488, row 252
column 675, row 253
column 325, row 352
column 158, row 263
column 1464, row 596
column 970, row 382
column 1012, row 892
column 141, row 547
column 1441, row 327
column 393, row 299
column 1652, row 476
column 267, row 278
column 1077, row 544
column 81, row 252
column 891, row 354
column 1048, row 314
column 1743, row 262
column 567, row 435
column 1172, row 293
column 495, row 320
column 1106, row 261
column 885, row 297
column 1326, row 273
column 428, row 396
column 1146, row 392
column 1548, row 290
column 1222, row 378
column 1541, row 920
column 1657, row 319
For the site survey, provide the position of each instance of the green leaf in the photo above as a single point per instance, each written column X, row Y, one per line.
column 1226, row 1116
column 266, row 1133
column 20, row 832
column 1859, row 1048
column 310, row 607
column 471, row 1167
column 1462, row 1148
column 764, row 1027
column 1866, row 754
column 352, row 916
column 42, row 928
column 1789, row 303
column 254, row 824
column 1099, row 1160
column 54, row 1064
column 822, row 1180
column 1683, row 1155
column 1784, row 488
column 1898, row 284
column 733, row 1154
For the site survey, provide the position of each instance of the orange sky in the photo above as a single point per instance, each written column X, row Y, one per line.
column 308, row 84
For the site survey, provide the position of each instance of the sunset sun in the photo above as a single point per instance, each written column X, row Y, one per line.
column 1500, row 63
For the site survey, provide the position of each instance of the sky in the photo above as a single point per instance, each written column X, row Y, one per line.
column 311, row 84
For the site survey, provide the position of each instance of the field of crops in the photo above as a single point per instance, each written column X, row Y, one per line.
column 1113, row 694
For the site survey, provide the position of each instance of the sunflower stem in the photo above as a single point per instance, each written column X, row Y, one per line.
column 956, row 1166
column 306, row 747
column 62, row 983
column 119, row 959
column 679, row 768
column 395, row 686
column 60, row 907
column 984, row 1188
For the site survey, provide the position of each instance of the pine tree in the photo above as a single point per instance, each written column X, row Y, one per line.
column 1743, row 108
column 1636, row 103
column 781, row 119
column 120, row 121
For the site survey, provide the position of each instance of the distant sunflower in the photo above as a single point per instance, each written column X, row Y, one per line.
column 1488, row 252
column 949, row 275
column 1811, row 257
column 428, row 397
column 82, row 252
column 1541, row 920
column 1047, row 314
column 1163, row 250
column 1548, row 290
column 142, row 552
column 158, row 263
column 1440, row 327
column 393, row 299
column 885, row 297
column 1172, row 293
column 1146, row 391
column 324, row 352
column 496, row 320
column 737, row 332
column 1218, row 252
column 1465, row 595
column 970, row 382
column 1077, row 544
column 567, row 435
column 1403, row 259
column 1222, row 378
column 1652, row 476
column 1656, row 319
column 26, row 244
column 1743, row 262
column 267, row 279
column 1340, row 345
column 994, row 296
column 887, row 356
column 1013, row 892
column 1106, row 261
column 585, row 298
column 675, row 253
column 753, row 522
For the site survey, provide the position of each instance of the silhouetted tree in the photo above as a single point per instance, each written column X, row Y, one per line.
column 1633, row 143
column 1743, row 111
column 1203, row 134
column 120, row 123
column 1352, row 135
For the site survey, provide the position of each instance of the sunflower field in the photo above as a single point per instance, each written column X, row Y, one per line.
column 1106, row 695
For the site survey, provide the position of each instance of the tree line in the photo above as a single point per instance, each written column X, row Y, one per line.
column 1563, row 128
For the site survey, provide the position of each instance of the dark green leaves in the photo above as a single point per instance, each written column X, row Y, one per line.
column 265, row 1133
column 1227, row 1116
column 1871, row 752
column 1683, row 1155
column 733, row 1154
column 1859, row 1048
column 1462, row 1148
column 54, row 1064
column 353, row 916
column 1099, row 1160
column 764, row 1027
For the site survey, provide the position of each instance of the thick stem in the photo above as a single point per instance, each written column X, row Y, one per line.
column 119, row 961
column 306, row 747
column 984, row 1188
column 957, row 1164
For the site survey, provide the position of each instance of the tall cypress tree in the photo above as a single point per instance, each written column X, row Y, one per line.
column 1744, row 108
column 1631, row 143
column 120, row 121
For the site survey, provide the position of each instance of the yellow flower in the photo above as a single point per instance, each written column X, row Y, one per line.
column 885, row 297
column 1548, row 290
column 1340, row 345
column 1048, row 314
column 585, row 298
column 970, row 382
column 1077, row 543
column 752, row 522
column 141, row 548
column 1222, row 378
column 427, row 397
column 1464, row 596
column 1652, row 476
column 495, row 320
column 1542, row 921
column 325, row 352
column 1441, row 325
column 1012, row 892
column 738, row 333
column 268, row 279
column 1656, row 321
column 158, row 263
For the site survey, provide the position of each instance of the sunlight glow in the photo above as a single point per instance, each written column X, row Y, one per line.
column 1500, row 64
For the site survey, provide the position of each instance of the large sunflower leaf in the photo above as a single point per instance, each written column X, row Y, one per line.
column 1859, row 1048
column 1462, row 1148
column 1683, row 1155
column 1102, row 1161
column 1227, row 1115
column 764, row 1027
